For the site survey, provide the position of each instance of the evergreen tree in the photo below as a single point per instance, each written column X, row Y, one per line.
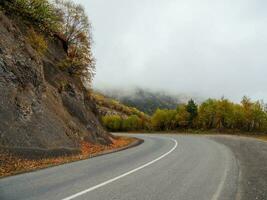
column 192, row 109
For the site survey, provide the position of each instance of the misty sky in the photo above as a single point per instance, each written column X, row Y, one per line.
column 211, row 48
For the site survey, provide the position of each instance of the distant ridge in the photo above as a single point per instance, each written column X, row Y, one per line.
column 146, row 100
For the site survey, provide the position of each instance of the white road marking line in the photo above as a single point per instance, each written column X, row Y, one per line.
column 123, row 175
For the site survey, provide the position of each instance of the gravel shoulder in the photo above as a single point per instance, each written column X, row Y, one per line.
column 252, row 159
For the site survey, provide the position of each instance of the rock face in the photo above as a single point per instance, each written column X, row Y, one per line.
column 41, row 107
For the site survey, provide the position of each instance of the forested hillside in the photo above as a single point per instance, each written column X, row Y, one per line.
column 146, row 100
column 116, row 116
column 213, row 114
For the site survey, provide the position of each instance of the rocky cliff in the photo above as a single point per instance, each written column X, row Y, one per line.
column 41, row 106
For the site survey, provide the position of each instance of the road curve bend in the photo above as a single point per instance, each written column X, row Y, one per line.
column 164, row 167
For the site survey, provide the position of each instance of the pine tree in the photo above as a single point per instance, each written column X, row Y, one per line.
column 192, row 109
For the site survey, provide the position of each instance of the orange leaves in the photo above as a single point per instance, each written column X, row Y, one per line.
column 89, row 149
column 11, row 164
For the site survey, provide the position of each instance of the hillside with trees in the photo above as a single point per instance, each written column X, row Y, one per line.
column 116, row 116
column 211, row 115
column 145, row 100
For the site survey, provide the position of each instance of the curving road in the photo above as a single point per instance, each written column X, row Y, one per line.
column 164, row 167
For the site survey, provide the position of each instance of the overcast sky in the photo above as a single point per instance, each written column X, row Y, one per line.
column 211, row 48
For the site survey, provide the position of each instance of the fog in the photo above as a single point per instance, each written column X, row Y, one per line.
column 209, row 48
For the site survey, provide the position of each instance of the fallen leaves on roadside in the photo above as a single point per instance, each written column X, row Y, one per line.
column 11, row 164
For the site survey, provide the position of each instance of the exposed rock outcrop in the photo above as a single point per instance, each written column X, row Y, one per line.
column 41, row 107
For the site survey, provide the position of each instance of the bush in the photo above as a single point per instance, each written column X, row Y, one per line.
column 182, row 117
column 112, row 122
column 40, row 13
column 37, row 41
column 117, row 123
column 132, row 123
column 163, row 119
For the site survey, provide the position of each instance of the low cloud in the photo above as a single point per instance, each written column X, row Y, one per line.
column 207, row 48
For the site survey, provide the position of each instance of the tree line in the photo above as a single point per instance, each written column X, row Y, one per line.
column 212, row 114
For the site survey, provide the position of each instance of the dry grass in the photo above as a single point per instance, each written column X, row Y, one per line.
column 11, row 164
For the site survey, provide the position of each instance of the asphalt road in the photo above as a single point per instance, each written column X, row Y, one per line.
column 164, row 167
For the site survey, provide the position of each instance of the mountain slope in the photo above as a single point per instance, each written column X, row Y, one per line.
column 145, row 100
column 109, row 106
column 41, row 107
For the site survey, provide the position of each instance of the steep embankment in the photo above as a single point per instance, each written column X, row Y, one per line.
column 42, row 108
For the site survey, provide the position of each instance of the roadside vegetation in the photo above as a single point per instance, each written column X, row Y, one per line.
column 211, row 115
column 118, row 123
column 222, row 114
column 116, row 116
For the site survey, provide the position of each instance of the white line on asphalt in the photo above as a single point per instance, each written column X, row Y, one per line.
column 123, row 175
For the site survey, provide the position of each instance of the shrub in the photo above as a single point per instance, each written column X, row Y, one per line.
column 112, row 122
column 182, row 117
column 132, row 123
column 163, row 119
column 37, row 41
column 40, row 13
column 117, row 123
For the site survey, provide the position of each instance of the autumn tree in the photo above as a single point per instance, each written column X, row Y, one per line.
column 182, row 116
column 224, row 114
column 112, row 122
column 76, row 33
column 238, row 117
column 207, row 114
column 132, row 123
column 163, row 119
column 247, row 106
